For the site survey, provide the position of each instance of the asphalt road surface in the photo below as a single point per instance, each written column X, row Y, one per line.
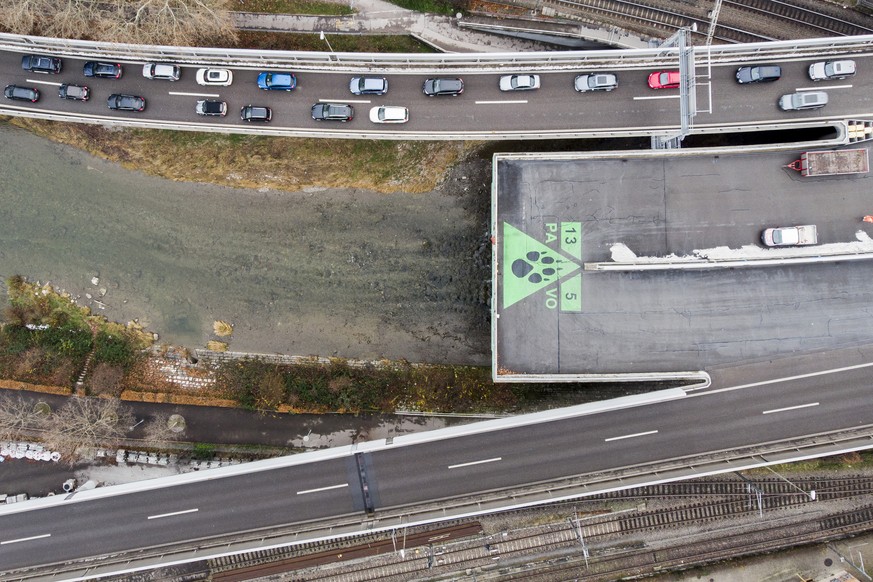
column 482, row 106
column 711, row 420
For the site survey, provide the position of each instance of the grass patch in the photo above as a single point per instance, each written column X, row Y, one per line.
column 861, row 460
column 47, row 337
column 341, row 43
column 292, row 7
column 432, row 6
column 387, row 387
column 249, row 161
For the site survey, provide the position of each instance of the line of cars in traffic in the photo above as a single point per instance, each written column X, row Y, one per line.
column 797, row 101
column 374, row 85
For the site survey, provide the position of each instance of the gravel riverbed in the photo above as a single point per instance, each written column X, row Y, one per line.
column 349, row 273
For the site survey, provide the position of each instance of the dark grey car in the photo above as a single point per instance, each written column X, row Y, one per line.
column 120, row 102
column 332, row 112
column 443, row 86
column 19, row 93
column 759, row 74
column 255, row 113
column 41, row 64
column 74, row 92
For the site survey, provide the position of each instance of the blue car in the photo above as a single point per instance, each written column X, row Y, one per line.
column 277, row 81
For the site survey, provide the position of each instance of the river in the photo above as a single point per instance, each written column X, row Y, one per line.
column 347, row 273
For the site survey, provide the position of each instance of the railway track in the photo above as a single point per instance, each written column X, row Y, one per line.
column 844, row 23
column 452, row 548
column 649, row 18
column 740, row 21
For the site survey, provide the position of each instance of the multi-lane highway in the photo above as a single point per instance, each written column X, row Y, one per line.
column 482, row 108
column 710, row 420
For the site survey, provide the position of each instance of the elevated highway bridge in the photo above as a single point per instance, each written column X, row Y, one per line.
column 555, row 111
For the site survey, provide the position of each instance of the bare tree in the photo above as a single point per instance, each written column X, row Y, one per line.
column 18, row 416
column 160, row 431
column 86, row 422
column 171, row 22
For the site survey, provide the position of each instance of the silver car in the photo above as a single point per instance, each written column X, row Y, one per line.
column 519, row 82
column 595, row 82
column 803, row 100
column 163, row 71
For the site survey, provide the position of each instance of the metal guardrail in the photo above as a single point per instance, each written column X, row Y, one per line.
column 398, row 63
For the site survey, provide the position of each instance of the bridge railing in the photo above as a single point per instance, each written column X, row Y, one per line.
column 429, row 63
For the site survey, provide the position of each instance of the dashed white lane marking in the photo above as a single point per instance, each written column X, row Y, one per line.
column 500, row 102
column 25, row 539
column 172, row 514
column 328, row 488
column 785, row 379
column 775, row 410
column 630, row 436
column 44, row 82
column 194, row 94
column 657, row 97
column 471, row 463
column 344, row 101
column 822, row 87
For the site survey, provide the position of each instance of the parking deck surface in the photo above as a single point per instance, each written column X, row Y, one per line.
column 553, row 215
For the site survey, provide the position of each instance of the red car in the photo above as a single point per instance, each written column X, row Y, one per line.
column 664, row 80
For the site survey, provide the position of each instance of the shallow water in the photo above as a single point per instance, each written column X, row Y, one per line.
column 342, row 272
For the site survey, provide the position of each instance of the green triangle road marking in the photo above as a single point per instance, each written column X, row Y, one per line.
column 529, row 265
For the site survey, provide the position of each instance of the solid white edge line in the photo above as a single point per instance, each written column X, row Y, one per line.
column 193, row 94
column 823, row 88
column 25, row 539
column 459, row 465
column 790, row 408
column 657, row 97
column 328, row 488
column 630, row 436
column 499, row 102
column 44, row 82
column 344, row 101
column 172, row 514
column 785, row 379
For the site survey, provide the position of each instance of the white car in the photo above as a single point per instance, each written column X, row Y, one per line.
column 389, row 114
column 831, row 70
column 519, row 82
column 222, row 77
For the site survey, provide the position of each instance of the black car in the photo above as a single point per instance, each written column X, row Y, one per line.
column 255, row 113
column 41, row 64
column 120, row 102
column 103, row 70
column 211, row 108
column 74, row 92
column 19, row 93
column 443, row 86
column 759, row 74
column 332, row 112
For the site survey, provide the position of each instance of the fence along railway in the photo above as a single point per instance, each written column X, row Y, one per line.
column 595, row 521
column 740, row 21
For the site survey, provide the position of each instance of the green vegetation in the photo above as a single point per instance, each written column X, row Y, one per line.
column 250, row 161
column 203, row 451
column 340, row 387
column 60, row 337
column 433, row 6
column 292, row 7
column 856, row 460
column 341, row 43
